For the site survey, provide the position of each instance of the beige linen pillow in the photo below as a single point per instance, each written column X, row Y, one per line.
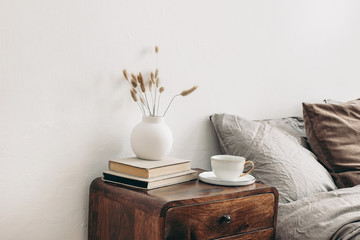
column 280, row 160
column 333, row 132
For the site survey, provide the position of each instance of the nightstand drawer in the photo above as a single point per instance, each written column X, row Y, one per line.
column 220, row 218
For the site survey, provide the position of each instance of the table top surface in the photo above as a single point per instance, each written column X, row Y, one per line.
column 186, row 192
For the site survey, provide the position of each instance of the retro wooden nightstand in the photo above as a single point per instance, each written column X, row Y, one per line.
column 191, row 210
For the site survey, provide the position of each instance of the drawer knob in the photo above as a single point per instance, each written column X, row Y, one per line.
column 227, row 218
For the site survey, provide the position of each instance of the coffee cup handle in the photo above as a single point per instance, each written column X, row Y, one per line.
column 253, row 166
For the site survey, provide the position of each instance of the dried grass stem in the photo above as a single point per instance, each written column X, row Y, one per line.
column 139, row 87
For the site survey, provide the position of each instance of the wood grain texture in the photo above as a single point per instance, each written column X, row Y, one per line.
column 117, row 212
column 110, row 219
column 257, row 235
column 206, row 221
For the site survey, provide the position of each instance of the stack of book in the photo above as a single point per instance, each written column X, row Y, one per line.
column 146, row 174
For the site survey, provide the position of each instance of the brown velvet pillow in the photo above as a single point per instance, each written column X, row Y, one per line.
column 333, row 132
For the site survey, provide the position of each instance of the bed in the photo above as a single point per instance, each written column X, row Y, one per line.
column 312, row 160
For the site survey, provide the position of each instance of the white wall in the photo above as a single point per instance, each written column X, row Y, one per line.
column 65, row 108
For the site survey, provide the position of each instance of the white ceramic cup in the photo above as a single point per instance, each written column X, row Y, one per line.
column 229, row 168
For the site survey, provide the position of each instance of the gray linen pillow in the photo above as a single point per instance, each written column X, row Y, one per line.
column 280, row 160
column 294, row 126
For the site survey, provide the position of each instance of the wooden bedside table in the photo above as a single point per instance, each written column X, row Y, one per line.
column 191, row 210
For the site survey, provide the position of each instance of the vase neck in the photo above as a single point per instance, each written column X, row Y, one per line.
column 151, row 119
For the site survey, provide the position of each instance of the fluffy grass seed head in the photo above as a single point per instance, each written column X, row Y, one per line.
column 161, row 89
column 126, row 75
column 142, row 100
column 141, row 81
column 134, row 77
column 156, row 49
column 152, row 77
column 157, row 82
column 140, row 78
column 142, row 86
column 188, row 91
column 150, row 85
column 133, row 95
column 134, row 83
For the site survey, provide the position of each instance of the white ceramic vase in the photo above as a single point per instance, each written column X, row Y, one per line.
column 151, row 139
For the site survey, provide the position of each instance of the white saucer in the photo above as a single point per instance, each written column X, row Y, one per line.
column 209, row 177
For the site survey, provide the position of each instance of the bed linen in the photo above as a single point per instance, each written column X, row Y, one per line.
column 283, row 158
column 276, row 150
column 327, row 215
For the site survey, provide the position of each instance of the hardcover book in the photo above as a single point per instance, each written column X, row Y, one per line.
column 149, row 183
column 148, row 169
